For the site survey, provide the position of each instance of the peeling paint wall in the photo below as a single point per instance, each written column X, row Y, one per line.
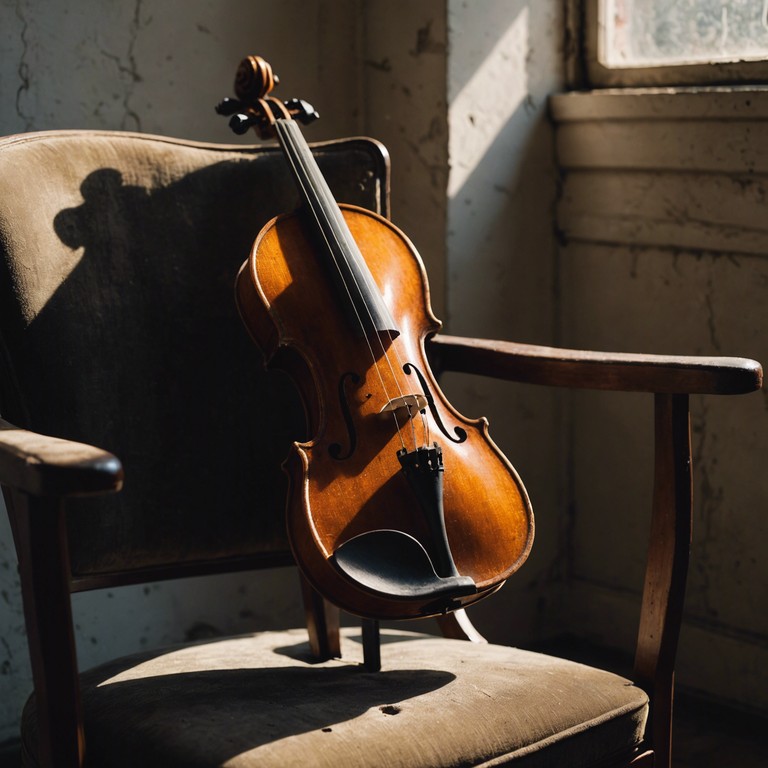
column 160, row 67
column 404, row 102
column 663, row 215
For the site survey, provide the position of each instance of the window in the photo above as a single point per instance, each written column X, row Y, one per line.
column 675, row 42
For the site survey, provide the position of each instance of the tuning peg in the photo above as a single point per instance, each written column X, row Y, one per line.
column 302, row 111
column 229, row 106
column 240, row 123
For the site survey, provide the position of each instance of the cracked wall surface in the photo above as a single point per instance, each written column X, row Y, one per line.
column 160, row 67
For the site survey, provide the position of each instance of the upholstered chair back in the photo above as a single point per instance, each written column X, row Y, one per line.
column 118, row 255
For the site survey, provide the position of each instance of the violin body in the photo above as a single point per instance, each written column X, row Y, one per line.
column 345, row 480
column 398, row 506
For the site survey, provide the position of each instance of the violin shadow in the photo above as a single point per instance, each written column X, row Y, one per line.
column 302, row 652
column 392, row 506
column 227, row 712
column 157, row 366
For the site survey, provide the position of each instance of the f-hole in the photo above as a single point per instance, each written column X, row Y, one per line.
column 460, row 434
column 335, row 449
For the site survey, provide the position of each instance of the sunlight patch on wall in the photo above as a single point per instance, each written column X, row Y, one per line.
column 487, row 101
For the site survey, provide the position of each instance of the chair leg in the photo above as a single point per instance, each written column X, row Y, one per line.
column 40, row 536
column 371, row 645
column 666, row 569
column 322, row 620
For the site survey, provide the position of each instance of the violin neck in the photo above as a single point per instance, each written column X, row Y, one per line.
column 357, row 291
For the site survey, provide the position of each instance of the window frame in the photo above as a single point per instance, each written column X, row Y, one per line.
column 590, row 72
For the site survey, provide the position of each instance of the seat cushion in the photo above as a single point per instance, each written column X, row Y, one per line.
column 260, row 700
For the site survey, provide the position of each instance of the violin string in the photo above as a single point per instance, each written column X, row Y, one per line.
column 367, row 277
column 371, row 285
column 287, row 140
column 343, row 231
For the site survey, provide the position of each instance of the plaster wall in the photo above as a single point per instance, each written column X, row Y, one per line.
column 403, row 103
column 663, row 219
column 505, row 60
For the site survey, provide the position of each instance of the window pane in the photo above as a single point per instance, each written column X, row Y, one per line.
column 642, row 33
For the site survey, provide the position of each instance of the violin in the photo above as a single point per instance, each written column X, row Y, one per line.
column 398, row 506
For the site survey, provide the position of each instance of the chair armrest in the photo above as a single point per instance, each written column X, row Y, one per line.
column 49, row 466
column 670, row 374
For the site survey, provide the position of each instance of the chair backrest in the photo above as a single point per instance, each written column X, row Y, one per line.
column 118, row 254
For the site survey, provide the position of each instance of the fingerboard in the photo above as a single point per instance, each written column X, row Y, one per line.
column 356, row 288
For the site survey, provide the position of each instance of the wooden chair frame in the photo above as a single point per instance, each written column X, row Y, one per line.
column 671, row 379
column 41, row 472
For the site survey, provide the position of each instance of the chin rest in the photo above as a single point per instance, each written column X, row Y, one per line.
column 395, row 564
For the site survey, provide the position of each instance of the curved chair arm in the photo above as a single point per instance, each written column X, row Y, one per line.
column 554, row 367
column 671, row 379
column 49, row 466
column 38, row 472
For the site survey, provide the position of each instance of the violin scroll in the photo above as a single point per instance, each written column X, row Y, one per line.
column 254, row 107
column 254, row 79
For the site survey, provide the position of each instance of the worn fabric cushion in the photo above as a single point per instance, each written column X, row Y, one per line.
column 258, row 700
column 118, row 328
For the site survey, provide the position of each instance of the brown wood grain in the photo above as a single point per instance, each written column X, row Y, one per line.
column 43, row 465
column 583, row 369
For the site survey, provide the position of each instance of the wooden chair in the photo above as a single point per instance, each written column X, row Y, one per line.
column 119, row 330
